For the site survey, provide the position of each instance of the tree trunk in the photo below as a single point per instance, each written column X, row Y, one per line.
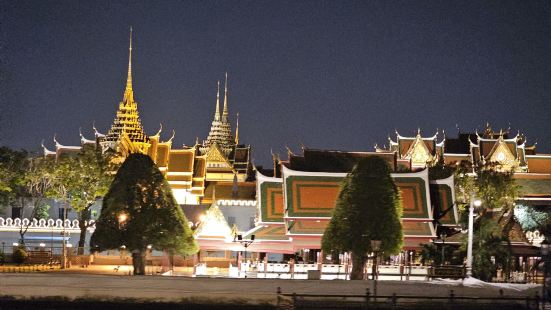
column 84, row 216
column 138, row 262
column 358, row 264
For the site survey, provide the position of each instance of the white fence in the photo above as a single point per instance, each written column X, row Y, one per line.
column 42, row 225
column 332, row 271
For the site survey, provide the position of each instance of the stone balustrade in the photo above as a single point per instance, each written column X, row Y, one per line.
column 42, row 225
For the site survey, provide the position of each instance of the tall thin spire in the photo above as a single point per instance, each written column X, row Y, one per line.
column 127, row 120
column 128, row 92
column 217, row 113
column 237, row 130
column 225, row 112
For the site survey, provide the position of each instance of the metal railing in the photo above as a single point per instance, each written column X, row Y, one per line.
column 370, row 301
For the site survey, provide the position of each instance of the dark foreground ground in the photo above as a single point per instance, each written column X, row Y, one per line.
column 103, row 292
column 57, row 303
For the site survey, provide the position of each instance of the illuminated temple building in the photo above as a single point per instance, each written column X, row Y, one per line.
column 294, row 201
column 192, row 171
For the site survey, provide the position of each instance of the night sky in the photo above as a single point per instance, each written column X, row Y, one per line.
column 331, row 75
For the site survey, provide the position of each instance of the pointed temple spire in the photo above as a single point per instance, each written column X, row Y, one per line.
column 220, row 130
column 237, row 130
column 225, row 112
column 217, row 113
column 127, row 119
column 128, row 92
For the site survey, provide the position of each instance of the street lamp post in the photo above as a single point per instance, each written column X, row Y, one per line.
column 473, row 203
column 244, row 243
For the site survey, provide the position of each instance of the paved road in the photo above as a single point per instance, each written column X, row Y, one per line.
column 161, row 288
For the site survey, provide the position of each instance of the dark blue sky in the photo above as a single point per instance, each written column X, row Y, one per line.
column 336, row 75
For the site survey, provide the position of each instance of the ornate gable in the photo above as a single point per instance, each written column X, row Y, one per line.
column 502, row 155
column 419, row 153
column 216, row 158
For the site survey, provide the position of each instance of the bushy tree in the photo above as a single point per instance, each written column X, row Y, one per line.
column 84, row 179
column 498, row 192
column 25, row 182
column 13, row 166
column 140, row 210
column 36, row 185
column 368, row 208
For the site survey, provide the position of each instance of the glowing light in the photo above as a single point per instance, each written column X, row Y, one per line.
column 69, row 245
column 477, row 203
column 501, row 156
column 122, row 217
column 214, row 225
column 42, row 244
column 149, row 247
column 15, row 244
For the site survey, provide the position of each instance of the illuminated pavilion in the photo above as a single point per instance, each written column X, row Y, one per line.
column 296, row 198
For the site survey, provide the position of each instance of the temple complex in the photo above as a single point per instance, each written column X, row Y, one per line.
column 193, row 172
column 287, row 208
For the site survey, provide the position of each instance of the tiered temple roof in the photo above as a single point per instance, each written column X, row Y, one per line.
column 220, row 130
column 226, row 158
column 220, row 160
column 294, row 209
column 127, row 124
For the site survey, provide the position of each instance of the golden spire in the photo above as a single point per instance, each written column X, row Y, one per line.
column 217, row 113
column 237, row 130
column 225, row 112
column 128, row 92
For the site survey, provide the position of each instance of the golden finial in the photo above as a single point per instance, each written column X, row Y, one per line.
column 237, row 130
column 128, row 92
column 225, row 112
column 217, row 113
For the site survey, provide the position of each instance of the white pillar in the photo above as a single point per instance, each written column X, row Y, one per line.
column 470, row 242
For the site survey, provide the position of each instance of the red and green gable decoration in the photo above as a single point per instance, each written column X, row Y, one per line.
column 442, row 195
column 314, row 194
column 300, row 204
column 270, row 199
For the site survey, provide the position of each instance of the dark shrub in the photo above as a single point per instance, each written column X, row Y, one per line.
column 19, row 256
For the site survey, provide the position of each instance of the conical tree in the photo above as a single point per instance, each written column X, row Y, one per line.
column 140, row 210
column 368, row 208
